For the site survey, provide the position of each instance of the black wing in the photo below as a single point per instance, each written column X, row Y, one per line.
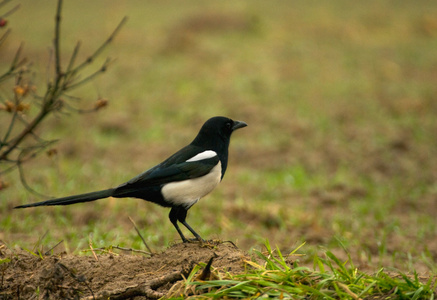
column 175, row 168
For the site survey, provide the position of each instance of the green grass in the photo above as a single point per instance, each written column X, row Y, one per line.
column 272, row 275
column 340, row 99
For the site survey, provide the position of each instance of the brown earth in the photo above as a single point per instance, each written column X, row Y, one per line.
column 122, row 276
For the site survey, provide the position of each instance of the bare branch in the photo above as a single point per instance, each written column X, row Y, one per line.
column 91, row 58
column 73, row 57
column 16, row 63
column 11, row 11
column 4, row 2
column 4, row 142
column 23, row 134
column 139, row 233
column 32, row 152
column 51, row 100
column 9, row 169
column 50, row 250
column 4, row 36
column 102, row 69
column 24, row 181
column 57, row 38
column 108, row 250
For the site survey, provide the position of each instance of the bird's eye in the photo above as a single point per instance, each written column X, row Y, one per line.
column 228, row 125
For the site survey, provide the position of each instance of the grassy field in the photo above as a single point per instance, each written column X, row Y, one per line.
column 340, row 151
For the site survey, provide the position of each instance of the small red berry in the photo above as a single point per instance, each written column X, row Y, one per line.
column 3, row 22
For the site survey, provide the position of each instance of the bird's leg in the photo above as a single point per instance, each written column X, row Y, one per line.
column 179, row 214
column 182, row 214
column 198, row 237
column 174, row 220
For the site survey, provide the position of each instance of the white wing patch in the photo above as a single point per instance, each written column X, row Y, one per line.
column 203, row 155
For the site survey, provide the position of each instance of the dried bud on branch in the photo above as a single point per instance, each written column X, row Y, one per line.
column 100, row 104
column 52, row 152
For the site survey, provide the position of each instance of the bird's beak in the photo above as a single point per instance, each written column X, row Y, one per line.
column 238, row 124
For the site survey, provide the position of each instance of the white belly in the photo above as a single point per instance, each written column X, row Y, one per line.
column 188, row 192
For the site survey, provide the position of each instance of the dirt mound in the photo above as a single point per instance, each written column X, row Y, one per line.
column 122, row 276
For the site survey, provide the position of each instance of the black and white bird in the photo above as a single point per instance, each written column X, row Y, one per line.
column 180, row 180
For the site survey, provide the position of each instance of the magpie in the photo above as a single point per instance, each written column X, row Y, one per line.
column 179, row 181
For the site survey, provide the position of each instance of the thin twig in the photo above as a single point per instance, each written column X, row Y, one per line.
column 4, row 142
column 48, row 251
column 89, row 77
column 232, row 243
column 16, row 57
column 33, row 134
column 119, row 248
column 48, row 68
column 132, row 250
column 16, row 62
column 32, row 125
column 4, row 2
column 103, row 250
column 9, row 169
column 57, row 38
column 23, row 178
column 73, row 57
column 11, row 11
column 4, row 36
column 96, row 53
column 91, row 247
column 139, row 233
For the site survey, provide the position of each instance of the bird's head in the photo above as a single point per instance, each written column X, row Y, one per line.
column 219, row 128
column 215, row 135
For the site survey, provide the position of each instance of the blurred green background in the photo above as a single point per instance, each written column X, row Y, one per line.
column 340, row 98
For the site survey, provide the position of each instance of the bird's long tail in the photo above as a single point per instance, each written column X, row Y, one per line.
column 72, row 199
